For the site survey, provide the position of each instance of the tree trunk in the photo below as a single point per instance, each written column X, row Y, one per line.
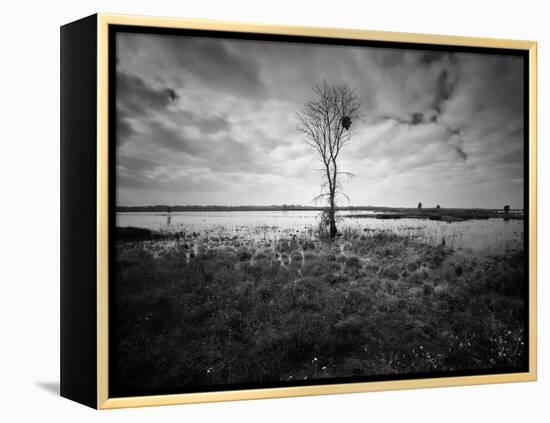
column 332, row 218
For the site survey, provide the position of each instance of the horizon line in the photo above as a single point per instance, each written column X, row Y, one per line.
column 306, row 206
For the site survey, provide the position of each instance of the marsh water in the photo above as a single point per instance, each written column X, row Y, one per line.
column 477, row 235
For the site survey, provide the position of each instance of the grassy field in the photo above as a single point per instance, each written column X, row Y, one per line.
column 196, row 314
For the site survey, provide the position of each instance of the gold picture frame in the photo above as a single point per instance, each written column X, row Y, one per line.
column 102, row 398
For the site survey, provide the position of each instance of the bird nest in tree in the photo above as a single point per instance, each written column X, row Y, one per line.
column 346, row 122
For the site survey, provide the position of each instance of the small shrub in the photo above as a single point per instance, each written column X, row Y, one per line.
column 388, row 273
column 308, row 245
column 427, row 289
column 296, row 256
column 244, row 255
column 333, row 279
column 418, row 277
column 371, row 268
column 309, row 256
column 353, row 262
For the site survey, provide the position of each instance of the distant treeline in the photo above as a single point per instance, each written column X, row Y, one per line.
column 163, row 208
column 290, row 207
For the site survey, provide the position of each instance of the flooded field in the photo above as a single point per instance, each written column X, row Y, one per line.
column 249, row 297
column 270, row 226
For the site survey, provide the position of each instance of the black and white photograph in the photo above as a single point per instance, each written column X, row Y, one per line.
column 296, row 212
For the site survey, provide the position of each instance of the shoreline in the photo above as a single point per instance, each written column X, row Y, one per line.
column 381, row 209
column 444, row 215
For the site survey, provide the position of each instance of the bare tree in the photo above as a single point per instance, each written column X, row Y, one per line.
column 325, row 123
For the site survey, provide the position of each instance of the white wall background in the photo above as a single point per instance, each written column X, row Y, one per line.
column 29, row 232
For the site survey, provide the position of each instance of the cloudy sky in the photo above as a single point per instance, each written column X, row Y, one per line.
column 212, row 121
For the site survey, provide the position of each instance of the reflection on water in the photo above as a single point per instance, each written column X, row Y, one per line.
column 489, row 234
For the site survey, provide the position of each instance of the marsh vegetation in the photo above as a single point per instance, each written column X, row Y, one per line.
column 202, row 303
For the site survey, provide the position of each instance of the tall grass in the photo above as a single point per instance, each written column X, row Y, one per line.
column 366, row 304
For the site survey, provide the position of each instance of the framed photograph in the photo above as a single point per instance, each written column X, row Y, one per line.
column 253, row 211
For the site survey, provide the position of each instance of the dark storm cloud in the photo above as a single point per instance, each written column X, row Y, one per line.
column 171, row 138
column 124, row 128
column 417, row 118
column 201, row 183
column 213, row 62
column 425, row 80
column 460, row 152
column 136, row 164
column 171, row 147
column 217, row 64
column 207, row 124
column 445, row 88
column 214, row 119
column 493, row 89
column 224, row 153
column 487, row 98
column 428, row 57
column 412, row 85
column 138, row 97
